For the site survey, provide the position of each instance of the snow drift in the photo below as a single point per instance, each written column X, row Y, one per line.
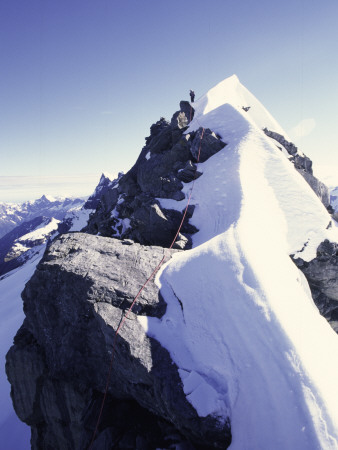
column 241, row 324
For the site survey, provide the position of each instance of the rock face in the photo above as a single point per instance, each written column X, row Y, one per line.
column 322, row 276
column 132, row 209
column 76, row 218
column 303, row 165
column 105, row 183
column 59, row 363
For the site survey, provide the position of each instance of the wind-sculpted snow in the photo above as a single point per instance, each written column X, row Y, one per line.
column 241, row 324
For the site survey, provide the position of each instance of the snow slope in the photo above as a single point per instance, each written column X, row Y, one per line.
column 46, row 230
column 248, row 339
column 13, row 432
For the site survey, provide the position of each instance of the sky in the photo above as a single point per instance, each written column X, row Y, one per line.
column 82, row 81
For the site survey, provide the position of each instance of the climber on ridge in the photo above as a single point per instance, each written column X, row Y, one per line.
column 192, row 96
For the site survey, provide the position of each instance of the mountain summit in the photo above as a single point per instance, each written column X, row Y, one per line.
column 226, row 346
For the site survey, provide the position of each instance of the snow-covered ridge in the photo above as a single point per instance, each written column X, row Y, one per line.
column 231, row 91
column 42, row 233
column 248, row 340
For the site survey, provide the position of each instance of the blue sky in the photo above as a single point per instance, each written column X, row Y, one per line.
column 83, row 80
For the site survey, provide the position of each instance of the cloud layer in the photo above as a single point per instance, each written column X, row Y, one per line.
column 21, row 188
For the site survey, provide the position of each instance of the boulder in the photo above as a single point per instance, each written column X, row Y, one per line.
column 188, row 173
column 59, row 363
column 208, row 146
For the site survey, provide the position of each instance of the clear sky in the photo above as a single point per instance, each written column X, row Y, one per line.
column 83, row 80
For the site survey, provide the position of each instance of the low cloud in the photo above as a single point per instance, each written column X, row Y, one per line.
column 304, row 128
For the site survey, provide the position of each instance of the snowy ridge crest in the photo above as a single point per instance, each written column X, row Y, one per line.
column 245, row 331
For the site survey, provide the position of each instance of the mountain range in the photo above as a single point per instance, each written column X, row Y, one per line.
column 13, row 214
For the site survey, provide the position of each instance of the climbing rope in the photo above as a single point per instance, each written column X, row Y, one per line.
column 154, row 272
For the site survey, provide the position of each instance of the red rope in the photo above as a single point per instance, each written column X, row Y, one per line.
column 154, row 272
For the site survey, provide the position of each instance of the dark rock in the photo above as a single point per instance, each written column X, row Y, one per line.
column 105, row 184
column 152, row 225
column 160, row 137
column 161, row 142
column 208, row 146
column 188, row 173
column 322, row 276
column 130, row 209
column 289, row 146
column 303, row 165
column 183, row 117
column 59, row 363
column 190, row 211
column 154, row 176
column 187, row 109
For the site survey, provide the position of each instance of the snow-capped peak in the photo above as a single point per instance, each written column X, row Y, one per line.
column 231, row 92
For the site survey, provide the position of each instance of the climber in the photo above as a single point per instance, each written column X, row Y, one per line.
column 192, row 96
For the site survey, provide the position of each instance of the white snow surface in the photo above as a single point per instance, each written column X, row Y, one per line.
column 249, row 342
column 42, row 231
column 46, row 230
column 15, row 435
column 79, row 219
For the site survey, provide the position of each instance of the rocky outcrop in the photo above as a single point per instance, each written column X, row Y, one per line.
column 75, row 219
column 106, row 182
column 132, row 209
column 59, row 363
column 303, row 165
column 322, row 276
